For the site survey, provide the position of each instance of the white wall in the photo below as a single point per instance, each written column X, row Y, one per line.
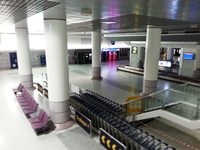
column 4, row 60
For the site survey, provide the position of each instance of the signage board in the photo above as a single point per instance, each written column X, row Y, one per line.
column 188, row 56
column 109, row 142
column 112, row 42
column 134, row 50
column 83, row 122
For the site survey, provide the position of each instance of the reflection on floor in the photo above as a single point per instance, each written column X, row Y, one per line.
column 15, row 130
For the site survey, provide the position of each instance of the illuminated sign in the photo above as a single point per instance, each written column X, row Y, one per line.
column 110, row 49
column 163, row 63
column 134, row 50
column 83, row 122
column 112, row 42
column 188, row 56
column 109, row 142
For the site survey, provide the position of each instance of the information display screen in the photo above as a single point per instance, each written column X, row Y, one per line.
column 188, row 56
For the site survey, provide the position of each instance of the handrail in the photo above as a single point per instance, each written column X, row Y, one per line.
column 158, row 92
column 192, row 83
column 182, row 92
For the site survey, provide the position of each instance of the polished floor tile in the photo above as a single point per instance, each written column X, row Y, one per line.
column 15, row 130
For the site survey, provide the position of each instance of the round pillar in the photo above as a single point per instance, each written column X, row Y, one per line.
column 23, row 54
column 57, row 70
column 96, row 55
column 152, row 53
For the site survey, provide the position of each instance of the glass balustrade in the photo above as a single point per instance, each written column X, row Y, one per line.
column 183, row 101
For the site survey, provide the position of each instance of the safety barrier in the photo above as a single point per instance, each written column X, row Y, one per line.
column 102, row 114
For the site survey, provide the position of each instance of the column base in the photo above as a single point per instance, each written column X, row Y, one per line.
column 59, row 111
column 149, row 86
column 26, row 80
column 96, row 73
column 64, row 125
column 96, row 78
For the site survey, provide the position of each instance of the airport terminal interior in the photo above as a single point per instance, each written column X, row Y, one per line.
column 100, row 74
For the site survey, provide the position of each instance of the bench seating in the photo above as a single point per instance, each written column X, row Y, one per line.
column 18, row 89
column 41, row 123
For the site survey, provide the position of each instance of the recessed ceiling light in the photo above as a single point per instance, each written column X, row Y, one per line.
column 108, row 22
column 86, row 12
column 194, row 25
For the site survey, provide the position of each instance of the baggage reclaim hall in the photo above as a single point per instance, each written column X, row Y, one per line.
column 95, row 75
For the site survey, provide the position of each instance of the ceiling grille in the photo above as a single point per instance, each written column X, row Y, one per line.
column 13, row 11
column 130, row 22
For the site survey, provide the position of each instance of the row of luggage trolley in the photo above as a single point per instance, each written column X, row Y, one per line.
column 110, row 116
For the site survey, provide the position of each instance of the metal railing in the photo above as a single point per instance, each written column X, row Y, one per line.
column 185, row 97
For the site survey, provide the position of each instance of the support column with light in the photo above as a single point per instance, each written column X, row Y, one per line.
column 96, row 55
column 152, row 54
column 23, row 54
column 57, row 67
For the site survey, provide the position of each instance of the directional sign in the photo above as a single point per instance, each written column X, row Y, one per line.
column 83, row 122
column 109, row 142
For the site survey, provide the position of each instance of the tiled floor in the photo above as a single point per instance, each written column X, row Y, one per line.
column 15, row 130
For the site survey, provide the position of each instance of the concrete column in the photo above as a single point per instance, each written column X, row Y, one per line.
column 57, row 68
column 23, row 54
column 96, row 55
column 152, row 53
column 141, row 54
column 170, row 53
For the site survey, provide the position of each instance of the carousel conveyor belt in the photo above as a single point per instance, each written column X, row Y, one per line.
column 161, row 75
